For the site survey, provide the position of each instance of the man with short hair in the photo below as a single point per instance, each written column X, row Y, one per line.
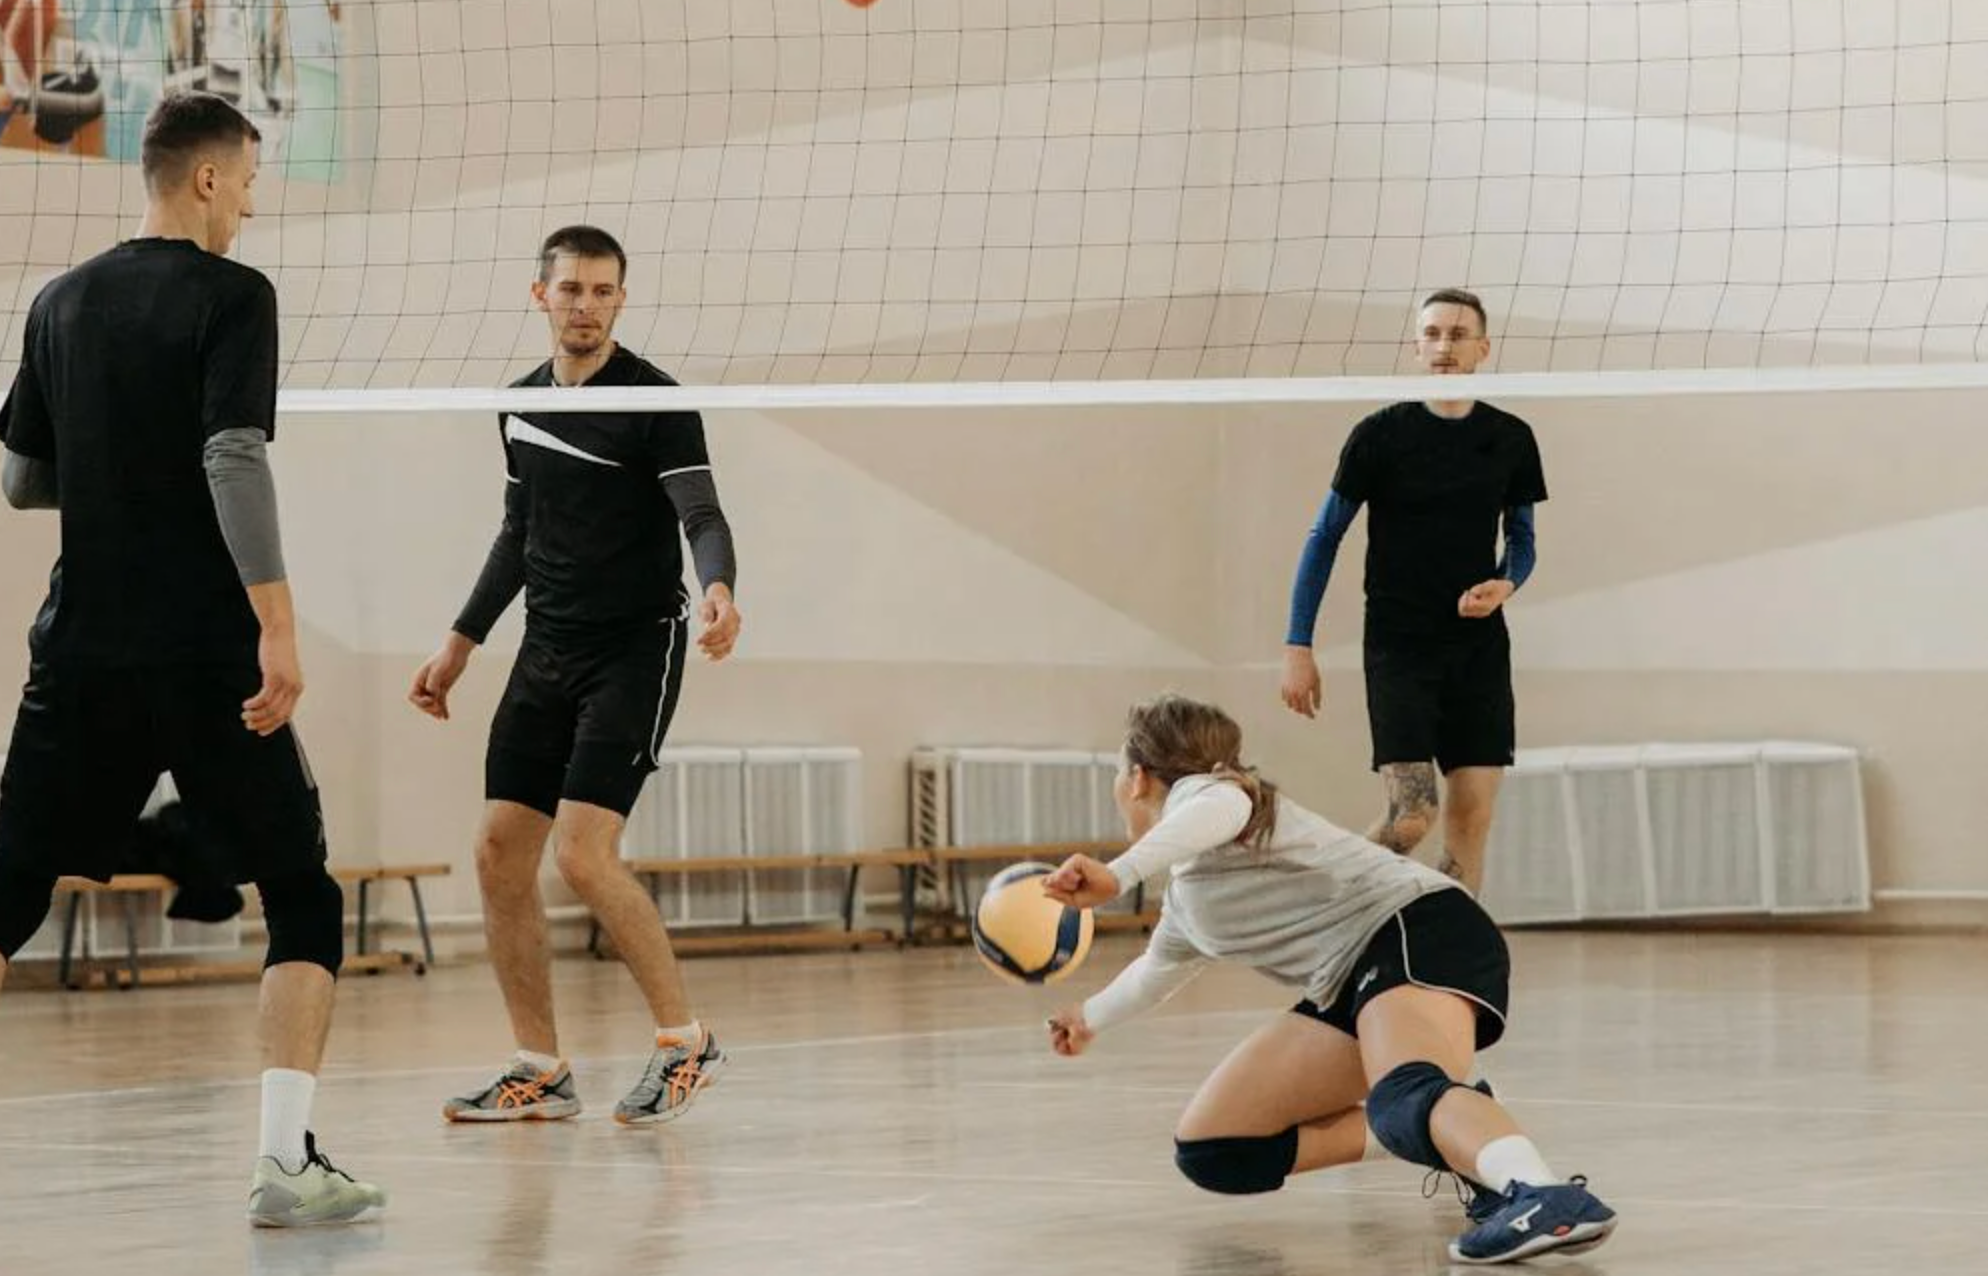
column 142, row 410
column 1440, row 478
column 592, row 506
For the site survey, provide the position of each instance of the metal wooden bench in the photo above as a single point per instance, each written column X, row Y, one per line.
column 129, row 886
column 651, row 872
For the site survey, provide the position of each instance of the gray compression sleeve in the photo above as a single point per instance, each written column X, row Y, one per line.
column 695, row 496
column 244, row 493
column 29, row 484
column 503, row 572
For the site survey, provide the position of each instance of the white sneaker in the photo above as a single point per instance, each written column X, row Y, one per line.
column 316, row 1195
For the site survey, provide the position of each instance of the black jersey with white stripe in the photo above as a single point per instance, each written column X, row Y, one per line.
column 602, row 552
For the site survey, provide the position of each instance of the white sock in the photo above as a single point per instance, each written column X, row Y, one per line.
column 1511, row 1159
column 547, row 1063
column 688, row 1034
column 286, row 1113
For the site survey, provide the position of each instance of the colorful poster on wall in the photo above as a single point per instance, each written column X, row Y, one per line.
column 79, row 76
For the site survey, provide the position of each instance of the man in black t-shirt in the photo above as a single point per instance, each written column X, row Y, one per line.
column 591, row 510
column 1439, row 478
column 142, row 410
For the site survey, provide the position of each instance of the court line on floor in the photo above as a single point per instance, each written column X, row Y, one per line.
column 333, row 1076
column 336, row 1077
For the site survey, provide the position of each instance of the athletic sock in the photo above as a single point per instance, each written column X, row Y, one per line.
column 1502, row 1162
column 286, row 1114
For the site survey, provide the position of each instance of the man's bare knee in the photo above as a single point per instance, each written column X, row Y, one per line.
column 1401, row 831
column 1468, row 828
column 586, row 863
column 1412, row 807
column 504, row 867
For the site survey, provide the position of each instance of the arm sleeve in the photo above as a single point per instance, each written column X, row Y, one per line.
column 238, row 363
column 24, row 417
column 1169, row 964
column 503, row 574
column 1315, row 567
column 1209, row 818
column 694, row 493
column 244, row 492
column 1520, row 548
column 29, row 484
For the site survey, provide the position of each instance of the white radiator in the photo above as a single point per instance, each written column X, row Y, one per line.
column 748, row 801
column 801, row 802
column 1025, row 797
column 1656, row 830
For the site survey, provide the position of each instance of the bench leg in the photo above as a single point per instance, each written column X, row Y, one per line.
column 849, row 900
column 421, row 920
column 70, row 912
column 130, row 934
column 365, row 901
column 907, row 900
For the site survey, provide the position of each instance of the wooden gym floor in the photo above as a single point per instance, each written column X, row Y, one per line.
column 1750, row 1104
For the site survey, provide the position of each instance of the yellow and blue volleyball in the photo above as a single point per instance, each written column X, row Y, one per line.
column 1023, row 935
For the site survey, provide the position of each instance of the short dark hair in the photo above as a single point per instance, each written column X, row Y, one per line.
column 182, row 127
column 1460, row 297
column 580, row 241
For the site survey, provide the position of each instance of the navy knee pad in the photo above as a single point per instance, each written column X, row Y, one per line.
column 305, row 913
column 1238, row 1166
column 1398, row 1109
column 24, row 901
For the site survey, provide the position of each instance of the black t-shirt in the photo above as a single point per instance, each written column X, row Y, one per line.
column 1435, row 491
column 132, row 361
column 602, row 552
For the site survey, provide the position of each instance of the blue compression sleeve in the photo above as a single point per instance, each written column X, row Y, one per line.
column 1315, row 567
column 1521, row 551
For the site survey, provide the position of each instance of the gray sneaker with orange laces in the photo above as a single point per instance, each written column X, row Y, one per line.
column 520, row 1093
column 677, row 1072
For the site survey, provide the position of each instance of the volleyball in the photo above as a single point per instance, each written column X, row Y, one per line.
column 1023, row 935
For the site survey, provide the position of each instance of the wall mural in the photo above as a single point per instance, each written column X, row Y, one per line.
column 79, row 76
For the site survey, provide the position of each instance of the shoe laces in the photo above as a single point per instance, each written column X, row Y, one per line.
column 1432, row 1183
column 314, row 1157
column 1479, row 1202
column 674, row 1067
column 522, row 1086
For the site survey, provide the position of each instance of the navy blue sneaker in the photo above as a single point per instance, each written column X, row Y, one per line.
column 1535, row 1220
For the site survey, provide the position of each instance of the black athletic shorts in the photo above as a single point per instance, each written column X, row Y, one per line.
column 581, row 721
column 1451, row 703
column 88, row 748
column 1443, row 940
